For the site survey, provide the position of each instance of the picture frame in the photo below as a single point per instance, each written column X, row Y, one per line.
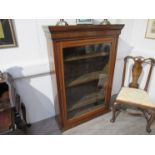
column 7, row 35
column 150, row 31
column 84, row 21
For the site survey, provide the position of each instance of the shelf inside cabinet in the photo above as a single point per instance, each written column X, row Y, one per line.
column 87, row 56
column 88, row 77
column 88, row 99
column 79, row 112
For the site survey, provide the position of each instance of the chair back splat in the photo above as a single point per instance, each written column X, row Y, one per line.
column 137, row 70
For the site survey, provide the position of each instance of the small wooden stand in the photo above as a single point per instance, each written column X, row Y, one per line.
column 12, row 111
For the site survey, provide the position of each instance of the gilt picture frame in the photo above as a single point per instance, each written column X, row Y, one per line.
column 7, row 35
column 150, row 31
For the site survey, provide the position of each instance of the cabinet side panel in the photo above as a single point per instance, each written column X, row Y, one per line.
column 111, row 69
column 58, row 107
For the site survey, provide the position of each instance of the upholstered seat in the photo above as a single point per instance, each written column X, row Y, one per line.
column 134, row 96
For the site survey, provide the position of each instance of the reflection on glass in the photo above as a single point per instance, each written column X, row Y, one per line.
column 85, row 72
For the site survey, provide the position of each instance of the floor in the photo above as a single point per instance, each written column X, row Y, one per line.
column 124, row 125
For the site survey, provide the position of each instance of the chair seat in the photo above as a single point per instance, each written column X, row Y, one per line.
column 135, row 97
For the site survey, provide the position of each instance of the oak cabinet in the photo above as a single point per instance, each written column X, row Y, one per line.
column 84, row 62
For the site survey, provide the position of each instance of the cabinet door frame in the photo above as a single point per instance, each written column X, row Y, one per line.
column 59, row 66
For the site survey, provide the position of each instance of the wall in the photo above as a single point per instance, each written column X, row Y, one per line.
column 124, row 49
column 140, row 43
column 143, row 47
column 29, row 65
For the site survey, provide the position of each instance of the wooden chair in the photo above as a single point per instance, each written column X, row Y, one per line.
column 133, row 97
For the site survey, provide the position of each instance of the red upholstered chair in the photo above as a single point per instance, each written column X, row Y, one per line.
column 132, row 96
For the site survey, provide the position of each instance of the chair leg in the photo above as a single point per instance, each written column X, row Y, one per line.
column 113, row 113
column 149, row 122
column 146, row 115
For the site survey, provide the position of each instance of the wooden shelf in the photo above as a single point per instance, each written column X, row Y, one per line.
column 87, row 100
column 79, row 112
column 81, row 57
column 87, row 78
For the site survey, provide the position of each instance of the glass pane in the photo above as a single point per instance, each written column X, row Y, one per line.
column 85, row 73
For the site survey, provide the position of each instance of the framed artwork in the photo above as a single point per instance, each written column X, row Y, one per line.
column 84, row 21
column 7, row 36
column 150, row 32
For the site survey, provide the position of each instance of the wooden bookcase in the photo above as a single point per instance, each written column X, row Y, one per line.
column 84, row 62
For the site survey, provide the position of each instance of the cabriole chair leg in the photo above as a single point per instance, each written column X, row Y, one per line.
column 149, row 122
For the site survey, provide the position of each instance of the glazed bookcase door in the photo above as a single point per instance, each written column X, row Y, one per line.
column 86, row 76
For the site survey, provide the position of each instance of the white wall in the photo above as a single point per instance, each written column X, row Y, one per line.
column 139, row 41
column 28, row 63
column 124, row 49
column 38, row 95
